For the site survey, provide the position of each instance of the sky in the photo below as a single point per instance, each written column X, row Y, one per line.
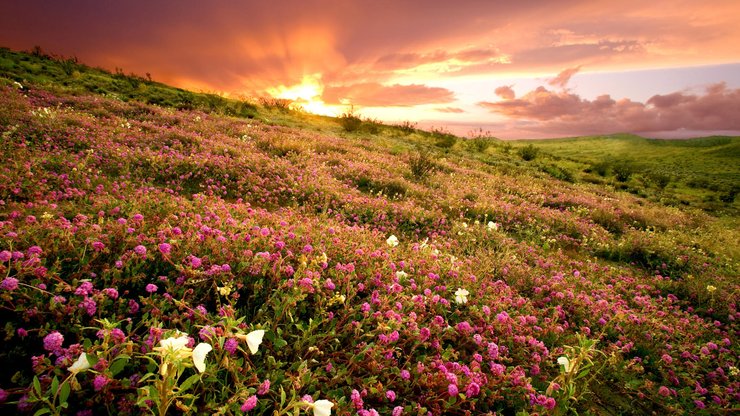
column 524, row 69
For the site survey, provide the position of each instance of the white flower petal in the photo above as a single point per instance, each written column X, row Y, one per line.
column 199, row 355
column 392, row 241
column 80, row 365
column 322, row 408
column 565, row 362
column 175, row 343
column 254, row 339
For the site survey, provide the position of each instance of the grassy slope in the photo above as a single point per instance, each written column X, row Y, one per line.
column 289, row 201
column 700, row 170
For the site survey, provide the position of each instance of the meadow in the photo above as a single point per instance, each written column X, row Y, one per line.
column 168, row 259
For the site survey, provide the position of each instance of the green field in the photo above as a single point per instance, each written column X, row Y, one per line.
column 702, row 172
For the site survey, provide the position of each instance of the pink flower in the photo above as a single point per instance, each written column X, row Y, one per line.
column 9, row 283
column 140, row 250
column 195, row 262
column 356, row 399
column 151, row 288
column 230, row 345
column 390, row 395
column 165, row 248
column 99, row 382
column 452, row 390
column 249, row 404
column 264, row 388
column 397, row 411
column 53, row 341
column 664, row 391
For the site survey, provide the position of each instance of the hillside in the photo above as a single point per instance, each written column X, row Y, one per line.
column 391, row 270
column 702, row 172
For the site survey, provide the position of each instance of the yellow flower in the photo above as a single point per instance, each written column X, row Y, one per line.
column 711, row 288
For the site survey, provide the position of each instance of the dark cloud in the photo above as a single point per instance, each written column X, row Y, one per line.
column 564, row 112
column 378, row 95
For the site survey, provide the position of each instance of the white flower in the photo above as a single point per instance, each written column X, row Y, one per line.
column 321, row 407
column 392, row 241
column 401, row 274
column 80, row 365
column 254, row 339
column 174, row 344
column 461, row 296
column 199, row 355
column 492, row 226
column 565, row 362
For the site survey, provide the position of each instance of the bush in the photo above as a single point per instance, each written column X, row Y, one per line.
column 443, row 138
column 623, row 170
column 350, row 121
column 421, row 164
column 529, row 152
column 281, row 104
column 406, row 127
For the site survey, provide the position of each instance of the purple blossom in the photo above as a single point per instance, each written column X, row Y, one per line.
column 53, row 342
column 9, row 283
column 230, row 345
column 5, row 256
column 99, row 382
column 452, row 390
column 140, row 250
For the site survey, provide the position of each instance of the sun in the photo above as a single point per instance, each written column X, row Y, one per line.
column 306, row 95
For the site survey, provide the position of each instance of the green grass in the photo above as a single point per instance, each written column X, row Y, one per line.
column 697, row 172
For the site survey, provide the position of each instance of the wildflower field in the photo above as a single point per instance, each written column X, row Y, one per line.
column 177, row 261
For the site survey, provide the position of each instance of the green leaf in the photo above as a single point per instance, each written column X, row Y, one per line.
column 118, row 365
column 279, row 343
column 64, row 393
column 583, row 373
column 282, row 396
column 37, row 386
column 42, row 411
column 54, row 385
column 189, row 382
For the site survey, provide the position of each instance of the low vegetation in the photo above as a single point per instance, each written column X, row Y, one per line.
column 167, row 259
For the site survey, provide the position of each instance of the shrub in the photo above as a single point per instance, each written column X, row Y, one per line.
column 443, row 138
column 406, row 127
column 529, row 152
column 280, row 104
column 623, row 170
column 422, row 164
column 350, row 121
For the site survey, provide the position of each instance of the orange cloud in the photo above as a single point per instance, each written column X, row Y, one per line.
column 454, row 110
column 378, row 95
column 505, row 92
column 562, row 79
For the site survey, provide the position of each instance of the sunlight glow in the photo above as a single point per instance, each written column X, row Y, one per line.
column 306, row 95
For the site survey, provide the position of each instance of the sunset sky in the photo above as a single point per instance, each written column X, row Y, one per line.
column 524, row 69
